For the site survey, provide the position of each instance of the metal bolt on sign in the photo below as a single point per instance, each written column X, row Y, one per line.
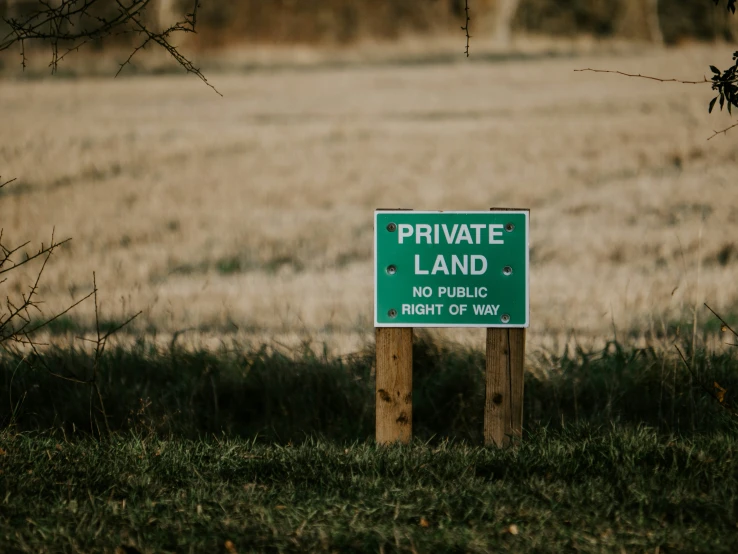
column 451, row 278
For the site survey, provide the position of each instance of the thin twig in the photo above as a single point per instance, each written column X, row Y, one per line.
column 60, row 314
column 649, row 77
column 6, row 182
column 41, row 252
column 725, row 323
column 59, row 26
column 97, row 318
column 102, row 409
column 99, row 349
column 50, row 371
column 119, row 327
column 723, row 132
column 705, row 388
column 686, row 363
column 465, row 27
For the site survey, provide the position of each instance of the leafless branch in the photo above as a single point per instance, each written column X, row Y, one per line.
column 17, row 328
column 6, row 182
column 720, row 82
column 67, row 25
column 725, row 323
column 465, row 27
column 60, row 314
column 724, row 131
column 649, row 77
column 5, row 255
column 16, row 318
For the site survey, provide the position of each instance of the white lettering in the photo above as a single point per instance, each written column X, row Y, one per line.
column 493, row 233
column 485, row 309
column 425, row 309
column 419, row 271
column 475, row 258
column 423, row 230
column 464, row 235
column 450, row 238
column 455, row 262
column 440, row 265
column 478, row 228
column 462, row 292
column 426, row 233
column 404, row 230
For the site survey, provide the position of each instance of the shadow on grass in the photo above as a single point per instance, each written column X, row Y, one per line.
column 260, row 393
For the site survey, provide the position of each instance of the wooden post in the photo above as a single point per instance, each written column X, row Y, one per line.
column 394, row 378
column 503, row 408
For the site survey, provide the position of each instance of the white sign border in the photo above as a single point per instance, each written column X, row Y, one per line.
column 524, row 325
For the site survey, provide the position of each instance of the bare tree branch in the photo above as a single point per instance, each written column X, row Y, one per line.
column 724, row 82
column 638, row 75
column 67, row 25
column 723, row 132
column 465, row 27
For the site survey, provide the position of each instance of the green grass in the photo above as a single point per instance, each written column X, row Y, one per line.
column 248, row 392
column 580, row 489
column 622, row 451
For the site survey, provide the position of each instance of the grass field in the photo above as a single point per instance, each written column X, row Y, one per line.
column 251, row 214
column 251, row 451
column 583, row 490
column 249, row 393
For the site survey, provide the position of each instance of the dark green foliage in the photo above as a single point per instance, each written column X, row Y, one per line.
column 725, row 82
column 583, row 489
column 255, row 392
column 726, row 85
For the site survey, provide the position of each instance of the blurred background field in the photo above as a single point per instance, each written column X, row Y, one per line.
column 250, row 216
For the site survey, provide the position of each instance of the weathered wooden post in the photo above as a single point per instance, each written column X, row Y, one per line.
column 503, row 407
column 394, row 389
column 451, row 269
column 505, row 375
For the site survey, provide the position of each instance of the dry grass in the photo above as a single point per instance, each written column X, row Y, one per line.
column 252, row 213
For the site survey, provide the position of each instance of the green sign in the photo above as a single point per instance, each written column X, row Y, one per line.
column 451, row 269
